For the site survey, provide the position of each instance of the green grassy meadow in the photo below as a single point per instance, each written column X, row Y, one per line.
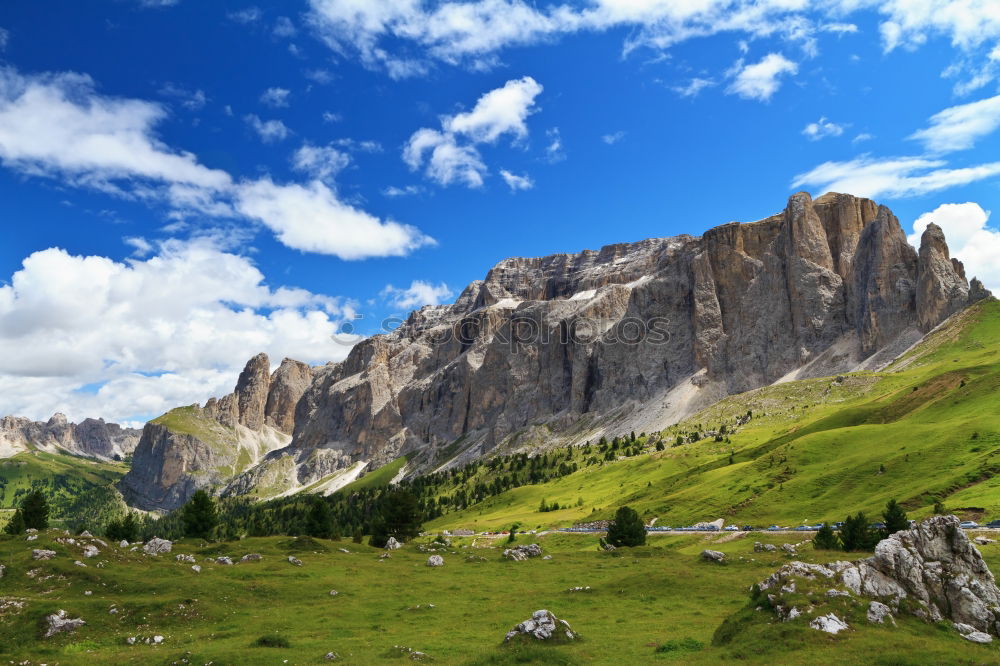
column 641, row 599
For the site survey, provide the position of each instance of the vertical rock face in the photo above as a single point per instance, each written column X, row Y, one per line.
column 91, row 437
column 287, row 385
column 941, row 287
column 205, row 447
column 634, row 336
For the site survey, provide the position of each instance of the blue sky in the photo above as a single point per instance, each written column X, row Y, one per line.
column 183, row 183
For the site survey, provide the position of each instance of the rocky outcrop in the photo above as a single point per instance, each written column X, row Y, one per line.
column 91, row 437
column 543, row 626
column 632, row 337
column 931, row 571
column 523, row 552
column 196, row 447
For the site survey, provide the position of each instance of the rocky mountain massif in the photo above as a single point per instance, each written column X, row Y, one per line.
column 195, row 447
column 570, row 347
column 91, row 437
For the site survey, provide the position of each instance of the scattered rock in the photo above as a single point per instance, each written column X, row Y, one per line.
column 224, row 560
column 521, row 553
column 971, row 634
column 879, row 612
column 392, row 544
column 113, row 611
column 31, row 537
column 196, row 568
column 155, row 546
column 123, row 544
column 984, row 541
column 90, row 551
column 344, row 550
column 547, row 557
column 384, row 556
column 334, row 593
column 2, row 570
column 59, row 622
column 837, row 593
column 330, row 656
column 435, row 561
column 87, row 534
column 579, row 589
column 759, row 547
column 79, row 563
column 831, row 624
column 185, row 558
column 713, row 556
column 87, row 593
column 42, row 554
column 788, row 548
column 542, row 626
column 251, row 557
column 294, row 560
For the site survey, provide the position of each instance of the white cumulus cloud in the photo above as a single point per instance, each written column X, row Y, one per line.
column 418, row 294
column 311, row 218
column 760, row 80
column 275, row 97
column 822, row 128
column 516, row 182
column 269, row 131
column 450, row 154
column 90, row 336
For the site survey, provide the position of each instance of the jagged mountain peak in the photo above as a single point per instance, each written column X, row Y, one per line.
column 568, row 347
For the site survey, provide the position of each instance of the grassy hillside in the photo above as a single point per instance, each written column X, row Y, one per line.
column 926, row 428
column 79, row 489
column 659, row 597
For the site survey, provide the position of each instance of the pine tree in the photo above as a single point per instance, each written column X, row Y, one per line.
column 627, row 529
column 826, row 539
column 16, row 524
column 358, row 536
column 320, row 518
column 939, row 509
column 401, row 514
column 35, row 510
column 659, row 445
column 199, row 516
column 894, row 518
column 855, row 534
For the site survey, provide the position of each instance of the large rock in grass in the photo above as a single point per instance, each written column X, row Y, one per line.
column 713, row 556
column 435, row 561
column 521, row 553
column 931, row 571
column 59, row 622
column 543, row 626
column 156, row 546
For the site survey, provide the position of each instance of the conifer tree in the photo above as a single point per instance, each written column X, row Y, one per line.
column 826, row 539
column 16, row 524
column 35, row 510
column 199, row 516
column 894, row 518
column 627, row 529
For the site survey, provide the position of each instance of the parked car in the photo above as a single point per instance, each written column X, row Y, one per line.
column 773, row 528
column 749, row 528
column 994, row 524
column 732, row 528
column 968, row 524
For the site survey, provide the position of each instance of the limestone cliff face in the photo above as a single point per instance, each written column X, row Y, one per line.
column 205, row 447
column 941, row 287
column 634, row 336
column 91, row 437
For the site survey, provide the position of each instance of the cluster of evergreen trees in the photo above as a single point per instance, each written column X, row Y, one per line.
column 857, row 534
